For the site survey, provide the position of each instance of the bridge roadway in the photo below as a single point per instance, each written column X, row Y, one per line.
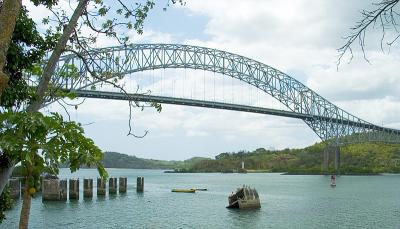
column 224, row 106
column 188, row 102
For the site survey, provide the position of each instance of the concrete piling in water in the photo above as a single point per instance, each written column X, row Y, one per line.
column 140, row 184
column 122, row 184
column 15, row 188
column 50, row 189
column 112, row 185
column 101, row 187
column 63, row 189
column 74, row 189
column 55, row 189
column 88, row 188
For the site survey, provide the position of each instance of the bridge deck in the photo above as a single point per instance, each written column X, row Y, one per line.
column 224, row 106
column 189, row 102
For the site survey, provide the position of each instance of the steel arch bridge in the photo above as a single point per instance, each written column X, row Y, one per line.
column 327, row 120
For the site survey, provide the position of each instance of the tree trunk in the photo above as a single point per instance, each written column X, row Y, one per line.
column 5, row 173
column 50, row 67
column 26, row 207
column 8, row 17
column 6, row 168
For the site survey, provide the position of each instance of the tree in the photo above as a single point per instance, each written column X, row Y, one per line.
column 49, row 140
column 25, row 49
column 6, row 203
column 385, row 16
column 18, row 58
column 8, row 17
column 62, row 27
column 31, row 138
column 45, row 141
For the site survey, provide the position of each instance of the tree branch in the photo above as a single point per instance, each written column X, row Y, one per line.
column 384, row 13
column 55, row 56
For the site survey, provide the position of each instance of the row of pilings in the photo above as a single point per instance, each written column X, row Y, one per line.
column 61, row 189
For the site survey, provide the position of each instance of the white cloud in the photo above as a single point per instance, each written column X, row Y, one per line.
column 303, row 36
column 37, row 13
column 151, row 36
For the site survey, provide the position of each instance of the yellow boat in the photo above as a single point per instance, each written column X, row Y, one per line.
column 184, row 190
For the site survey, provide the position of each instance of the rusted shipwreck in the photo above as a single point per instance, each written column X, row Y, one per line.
column 244, row 198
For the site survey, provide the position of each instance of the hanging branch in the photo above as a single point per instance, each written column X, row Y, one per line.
column 384, row 16
column 131, row 101
column 120, row 16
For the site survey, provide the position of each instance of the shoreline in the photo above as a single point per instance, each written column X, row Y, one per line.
column 286, row 173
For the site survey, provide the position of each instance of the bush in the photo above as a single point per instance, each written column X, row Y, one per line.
column 6, row 202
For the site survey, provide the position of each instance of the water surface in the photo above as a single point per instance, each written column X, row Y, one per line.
column 287, row 202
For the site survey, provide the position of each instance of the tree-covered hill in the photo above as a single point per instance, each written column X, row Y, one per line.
column 366, row 158
column 118, row 160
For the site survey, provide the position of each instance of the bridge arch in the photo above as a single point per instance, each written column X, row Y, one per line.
column 328, row 120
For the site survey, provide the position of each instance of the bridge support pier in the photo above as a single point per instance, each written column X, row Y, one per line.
column 325, row 165
column 335, row 149
column 337, row 160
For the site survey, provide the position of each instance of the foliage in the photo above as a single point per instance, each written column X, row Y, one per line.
column 37, row 141
column 27, row 136
column 366, row 158
column 27, row 48
column 6, row 203
column 18, row 171
column 119, row 160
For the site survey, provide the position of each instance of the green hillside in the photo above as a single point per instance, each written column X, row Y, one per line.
column 366, row 158
column 118, row 160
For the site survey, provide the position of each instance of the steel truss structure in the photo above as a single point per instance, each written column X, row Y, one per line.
column 327, row 120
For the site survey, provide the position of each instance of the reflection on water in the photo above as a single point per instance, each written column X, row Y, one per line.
column 100, row 198
column 139, row 194
column 286, row 202
column 52, row 205
column 244, row 218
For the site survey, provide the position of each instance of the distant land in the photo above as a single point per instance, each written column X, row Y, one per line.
column 356, row 159
column 119, row 160
column 365, row 158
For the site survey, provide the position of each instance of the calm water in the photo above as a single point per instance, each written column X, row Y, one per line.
column 287, row 202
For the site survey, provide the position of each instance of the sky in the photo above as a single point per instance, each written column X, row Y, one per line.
column 298, row 37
